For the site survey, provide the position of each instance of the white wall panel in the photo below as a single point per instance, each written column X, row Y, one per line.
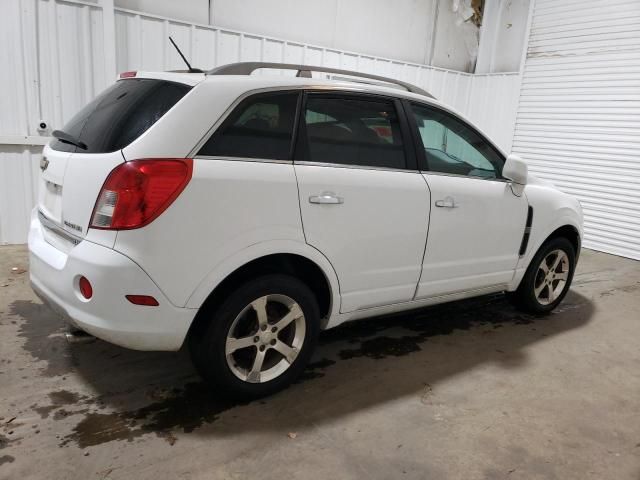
column 70, row 53
column 61, row 68
column 18, row 190
column 16, row 77
column 52, row 53
column 190, row 10
column 208, row 46
column 502, row 35
column 400, row 29
column 578, row 120
column 433, row 32
column 493, row 104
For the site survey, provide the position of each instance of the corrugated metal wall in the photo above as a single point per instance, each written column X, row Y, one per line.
column 52, row 65
column 142, row 44
column 578, row 121
column 55, row 58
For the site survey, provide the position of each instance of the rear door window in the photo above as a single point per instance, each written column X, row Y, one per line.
column 120, row 114
column 260, row 127
column 353, row 131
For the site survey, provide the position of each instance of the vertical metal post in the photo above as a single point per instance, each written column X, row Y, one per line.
column 109, row 32
column 491, row 22
column 527, row 36
column 523, row 61
column 431, row 48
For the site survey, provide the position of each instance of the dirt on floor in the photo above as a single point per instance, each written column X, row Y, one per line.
column 466, row 390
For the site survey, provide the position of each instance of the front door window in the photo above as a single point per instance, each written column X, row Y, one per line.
column 452, row 147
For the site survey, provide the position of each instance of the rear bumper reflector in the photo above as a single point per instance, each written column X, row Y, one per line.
column 146, row 300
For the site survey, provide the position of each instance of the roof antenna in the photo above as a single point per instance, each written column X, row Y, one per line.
column 191, row 69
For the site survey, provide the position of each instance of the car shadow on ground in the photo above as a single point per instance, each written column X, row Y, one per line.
column 357, row 366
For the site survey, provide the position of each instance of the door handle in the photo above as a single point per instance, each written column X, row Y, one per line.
column 448, row 202
column 327, row 198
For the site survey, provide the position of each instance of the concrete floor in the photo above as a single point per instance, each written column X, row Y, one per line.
column 463, row 391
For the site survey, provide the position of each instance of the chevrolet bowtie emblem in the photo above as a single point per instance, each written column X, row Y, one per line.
column 44, row 163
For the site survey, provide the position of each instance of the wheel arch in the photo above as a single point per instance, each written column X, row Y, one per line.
column 293, row 258
column 564, row 226
column 569, row 232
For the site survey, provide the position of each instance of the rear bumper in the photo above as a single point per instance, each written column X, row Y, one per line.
column 108, row 315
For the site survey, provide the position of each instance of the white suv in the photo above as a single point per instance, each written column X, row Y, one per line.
column 243, row 214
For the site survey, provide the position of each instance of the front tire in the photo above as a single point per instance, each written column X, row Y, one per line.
column 548, row 278
column 259, row 339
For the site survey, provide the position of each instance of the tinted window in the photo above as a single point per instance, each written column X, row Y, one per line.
column 120, row 114
column 353, row 132
column 260, row 127
column 452, row 147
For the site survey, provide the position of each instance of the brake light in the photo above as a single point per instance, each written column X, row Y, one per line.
column 128, row 74
column 137, row 192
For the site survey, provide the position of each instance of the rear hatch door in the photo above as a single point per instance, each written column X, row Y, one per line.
column 78, row 161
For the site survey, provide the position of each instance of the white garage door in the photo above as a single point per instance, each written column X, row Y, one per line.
column 578, row 122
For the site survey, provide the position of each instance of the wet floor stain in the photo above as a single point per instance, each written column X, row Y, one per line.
column 98, row 428
column 195, row 405
column 65, row 397
column 187, row 409
column 58, row 400
column 315, row 370
column 320, row 364
column 492, row 312
column 381, row 347
column 42, row 331
column 108, row 415
column 43, row 411
column 4, row 442
column 63, row 413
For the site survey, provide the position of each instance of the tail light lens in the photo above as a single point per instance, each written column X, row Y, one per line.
column 137, row 192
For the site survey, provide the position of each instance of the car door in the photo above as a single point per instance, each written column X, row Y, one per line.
column 477, row 222
column 364, row 204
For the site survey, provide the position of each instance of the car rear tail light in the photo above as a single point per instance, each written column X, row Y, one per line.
column 137, row 192
column 85, row 288
column 128, row 74
column 146, row 300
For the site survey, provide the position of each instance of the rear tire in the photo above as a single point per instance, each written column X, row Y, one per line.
column 548, row 277
column 259, row 339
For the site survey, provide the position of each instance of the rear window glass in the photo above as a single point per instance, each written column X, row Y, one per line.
column 120, row 114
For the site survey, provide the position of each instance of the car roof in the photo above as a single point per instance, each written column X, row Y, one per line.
column 253, row 82
column 265, row 82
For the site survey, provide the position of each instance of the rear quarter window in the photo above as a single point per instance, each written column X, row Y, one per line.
column 120, row 114
column 260, row 127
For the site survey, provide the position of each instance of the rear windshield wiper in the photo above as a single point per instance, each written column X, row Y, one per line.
column 70, row 139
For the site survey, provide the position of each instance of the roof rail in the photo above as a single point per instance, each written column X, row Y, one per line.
column 247, row 68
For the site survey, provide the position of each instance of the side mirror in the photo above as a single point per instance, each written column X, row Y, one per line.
column 515, row 169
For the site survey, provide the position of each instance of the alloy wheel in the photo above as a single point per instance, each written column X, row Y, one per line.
column 265, row 338
column 551, row 277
